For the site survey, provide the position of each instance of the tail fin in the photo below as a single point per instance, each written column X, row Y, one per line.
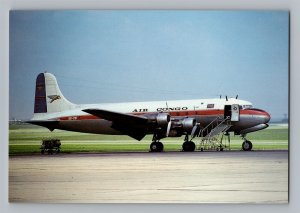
column 48, row 97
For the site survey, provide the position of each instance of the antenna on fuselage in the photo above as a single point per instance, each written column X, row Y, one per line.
column 236, row 97
column 220, row 96
column 167, row 106
column 226, row 98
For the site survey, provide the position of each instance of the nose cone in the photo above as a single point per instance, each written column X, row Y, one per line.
column 267, row 117
column 261, row 116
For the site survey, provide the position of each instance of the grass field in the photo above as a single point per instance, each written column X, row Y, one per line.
column 26, row 138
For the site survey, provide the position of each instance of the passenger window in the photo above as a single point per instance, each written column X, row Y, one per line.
column 210, row 106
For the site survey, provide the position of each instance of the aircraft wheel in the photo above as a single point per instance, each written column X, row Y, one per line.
column 247, row 145
column 188, row 146
column 156, row 146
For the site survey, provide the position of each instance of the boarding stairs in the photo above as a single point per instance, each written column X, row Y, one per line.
column 212, row 135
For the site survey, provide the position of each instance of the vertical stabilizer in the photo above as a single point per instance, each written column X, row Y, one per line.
column 48, row 97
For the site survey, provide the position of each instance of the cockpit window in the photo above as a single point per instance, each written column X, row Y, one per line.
column 247, row 106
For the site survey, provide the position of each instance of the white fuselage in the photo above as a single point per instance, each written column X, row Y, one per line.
column 145, row 107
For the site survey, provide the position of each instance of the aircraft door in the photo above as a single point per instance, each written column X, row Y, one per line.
column 235, row 112
column 232, row 111
column 227, row 111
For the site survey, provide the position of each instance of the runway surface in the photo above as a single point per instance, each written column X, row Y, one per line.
column 170, row 177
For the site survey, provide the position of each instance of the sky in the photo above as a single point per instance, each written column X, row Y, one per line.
column 145, row 55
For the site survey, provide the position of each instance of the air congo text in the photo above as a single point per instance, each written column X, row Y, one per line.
column 162, row 109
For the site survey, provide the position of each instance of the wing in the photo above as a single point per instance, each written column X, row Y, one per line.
column 132, row 125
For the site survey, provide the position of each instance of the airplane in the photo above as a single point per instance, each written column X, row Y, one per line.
column 137, row 119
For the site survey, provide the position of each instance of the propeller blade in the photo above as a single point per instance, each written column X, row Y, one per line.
column 195, row 128
column 168, row 128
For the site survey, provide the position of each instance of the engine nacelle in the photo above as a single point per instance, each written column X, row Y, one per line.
column 158, row 119
column 162, row 119
column 188, row 124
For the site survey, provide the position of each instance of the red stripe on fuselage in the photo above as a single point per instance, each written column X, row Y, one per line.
column 173, row 113
column 79, row 117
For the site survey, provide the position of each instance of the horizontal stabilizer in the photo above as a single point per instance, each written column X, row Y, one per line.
column 51, row 125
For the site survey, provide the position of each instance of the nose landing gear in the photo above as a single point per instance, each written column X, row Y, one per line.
column 246, row 145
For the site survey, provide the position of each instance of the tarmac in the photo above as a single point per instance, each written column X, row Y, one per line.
column 168, row 177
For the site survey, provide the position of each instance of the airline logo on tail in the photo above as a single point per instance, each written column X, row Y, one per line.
column 54, row 98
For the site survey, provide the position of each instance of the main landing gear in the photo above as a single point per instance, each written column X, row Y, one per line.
column 246, row 145
column 188, row 146
column 156, row 145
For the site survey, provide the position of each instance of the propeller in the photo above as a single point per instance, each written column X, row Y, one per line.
column 170, row 122
column 195, row 128
column 168, row 128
